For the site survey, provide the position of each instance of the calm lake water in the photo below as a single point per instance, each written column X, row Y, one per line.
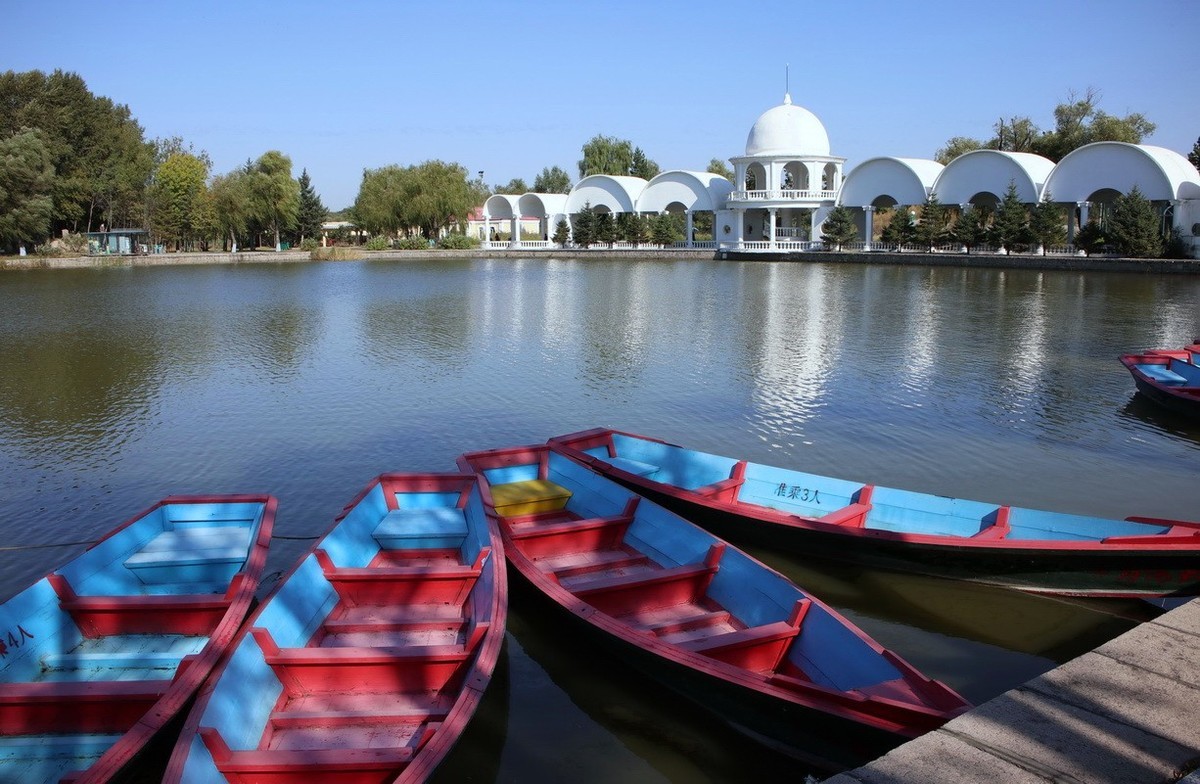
column 121, row 386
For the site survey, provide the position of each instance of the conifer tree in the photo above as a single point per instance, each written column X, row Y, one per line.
column 1133, row 227
column 606, row 230
column 1047, row 224
column 1011, row 226
column 584, row 226
column 1091, row 237
column 899, row 230
column 662, row 229
column 562, row 232
column 971, row 227
column 312, row 211
column 838, row 228
column 931, row 229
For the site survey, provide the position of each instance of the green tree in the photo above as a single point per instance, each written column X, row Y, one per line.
column 100, row 158
column 437, row 195
column 664, row 230
column 178, row 193
column 1010, row 228
column 838, row 228
column 311, row 212
column 606, row 230
column 971, row 227
column 641, row 166
column 1133, row 226
column 718, row 166
column 606, row 155
column 515, row 187
column 901, row 229
column 1017, row 134
column 931, row 229
column 230, row 194
column 552, row 180
column 1047, row 223
column 26, row 189
column 584, row 226
column 379, row 203
column 956, row 146
column 631, row 227
column 1091, row 237
column 562, row 232
column 274, row 195
column 1078, row 122
column 1194, row 155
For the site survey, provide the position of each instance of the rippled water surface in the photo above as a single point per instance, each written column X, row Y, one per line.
column 120, row 386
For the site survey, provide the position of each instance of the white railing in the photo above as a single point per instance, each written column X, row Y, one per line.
column 782, row 195
column 696, row 245
column 791, row 232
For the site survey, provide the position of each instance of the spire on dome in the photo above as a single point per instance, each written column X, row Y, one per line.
column 787, row 99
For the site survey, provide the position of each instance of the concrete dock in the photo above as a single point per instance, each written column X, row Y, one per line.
column 1127, row 712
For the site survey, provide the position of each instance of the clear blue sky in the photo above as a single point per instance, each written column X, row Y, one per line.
column 511, row 87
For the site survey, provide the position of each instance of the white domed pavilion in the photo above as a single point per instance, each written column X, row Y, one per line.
column 786, row 182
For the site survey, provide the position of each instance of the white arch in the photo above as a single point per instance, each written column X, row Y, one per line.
column 1160, row 174
column 907, row 180
column 615, row 193
column 992, row 171
column 696, row 191
column 542, row 205
column 501, row 206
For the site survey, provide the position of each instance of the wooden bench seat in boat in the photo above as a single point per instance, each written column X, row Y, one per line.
column 402, row 584
column 625, row 593
column 758, row 648
column 212, row 551
column 137, row 614
column 435, row 527
column 635, row 467
column 309, row 765
column 529, row 496
column 374, row 670
column 593, row 533
column 1162, row 374
column 81, row 706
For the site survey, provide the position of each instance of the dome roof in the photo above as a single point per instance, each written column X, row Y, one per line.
column 787, row 129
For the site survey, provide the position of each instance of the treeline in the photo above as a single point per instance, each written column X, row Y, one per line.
column 71, row 160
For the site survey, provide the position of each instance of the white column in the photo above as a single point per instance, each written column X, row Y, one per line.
column 514, row 241
column 688, row 223
column 487, row 230
column 771, row 228
column 869, row 212
column 740, row 217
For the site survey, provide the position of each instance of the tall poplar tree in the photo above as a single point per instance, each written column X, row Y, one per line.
column 26, row 189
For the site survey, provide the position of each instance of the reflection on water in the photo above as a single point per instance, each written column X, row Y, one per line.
column 118, row 387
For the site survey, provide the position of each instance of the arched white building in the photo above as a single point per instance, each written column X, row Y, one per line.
column 787, row 181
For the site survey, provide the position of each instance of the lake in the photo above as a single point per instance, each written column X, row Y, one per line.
column 120, row 386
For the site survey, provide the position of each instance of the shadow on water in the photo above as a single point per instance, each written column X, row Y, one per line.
column 1142, row 410
column 577, row 714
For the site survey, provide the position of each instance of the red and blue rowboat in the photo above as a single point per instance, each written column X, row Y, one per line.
column 99, row 655
column 1168, row 377
column 1028, row 549
column 369, row 659
column 701, row 616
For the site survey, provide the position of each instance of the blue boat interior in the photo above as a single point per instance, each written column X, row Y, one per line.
column 825, row 652
column 1175, row 373
column 830, row 500
column 358, row 592
column 44, row 644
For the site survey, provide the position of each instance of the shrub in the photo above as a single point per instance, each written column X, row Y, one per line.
column 457, row 241
column 413, row 243
column 309, row 244
column 335, row 253
column 378, row 242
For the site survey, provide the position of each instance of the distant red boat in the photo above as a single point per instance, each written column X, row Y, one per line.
column 1028, row 549
column 703, row 617
column 1169, row 377
column 371, row 656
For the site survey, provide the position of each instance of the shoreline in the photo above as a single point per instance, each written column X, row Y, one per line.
column 987, row 261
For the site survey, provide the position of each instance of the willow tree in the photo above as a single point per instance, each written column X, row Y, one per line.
column 274, row 195
column 427, row 198
column 26, row 189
